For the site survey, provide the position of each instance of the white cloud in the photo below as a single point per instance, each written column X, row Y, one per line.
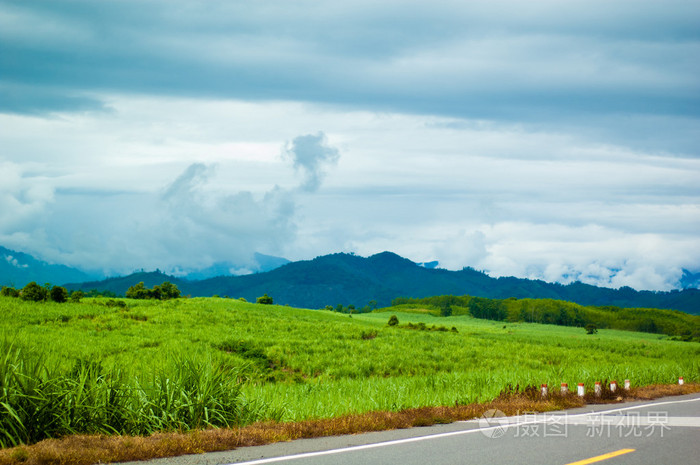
column 13, row 261
column 468, row 193
column 539, row 139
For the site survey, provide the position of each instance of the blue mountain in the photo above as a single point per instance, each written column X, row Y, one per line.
column 353, row 280
column 17, row 269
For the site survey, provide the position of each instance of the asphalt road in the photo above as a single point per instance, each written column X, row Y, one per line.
column 663, row 431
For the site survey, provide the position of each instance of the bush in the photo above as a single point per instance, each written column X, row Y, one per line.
column 265, row 300
column 591, row 329
column 75, row 296
column 367, row 335
column 9, row 292
column 446, row 310
column 59, row 294
column 393, row 320
column 34, row 293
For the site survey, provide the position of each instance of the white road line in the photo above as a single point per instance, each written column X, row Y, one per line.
column 445, row 435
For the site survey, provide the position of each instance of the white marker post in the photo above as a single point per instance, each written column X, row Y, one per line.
column 598, row 389
column 680, row 380
column 613, row 386
column 581, row 389
column 544, row 390
column 564, row 389
column 627, row 385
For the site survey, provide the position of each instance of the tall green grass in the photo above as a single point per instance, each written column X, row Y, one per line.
column 39, row 400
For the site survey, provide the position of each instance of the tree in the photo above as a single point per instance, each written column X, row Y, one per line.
column 591, row 329
column 647, row 326
column 137, row 291
column 265, row 300
column 7, row 291
column 169, row 290
column 446, row 310
column 34, row 293
column 393, row 320
column 155, row 293
column 165, row 291
column 59, row 294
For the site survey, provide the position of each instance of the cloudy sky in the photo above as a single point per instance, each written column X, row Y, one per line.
column 541, row 139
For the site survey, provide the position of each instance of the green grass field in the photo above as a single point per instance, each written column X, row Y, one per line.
column 293, row 364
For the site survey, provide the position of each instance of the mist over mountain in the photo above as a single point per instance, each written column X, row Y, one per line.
column 689, row 280
column 260, row 264
column 18, row 268
column 353, row 280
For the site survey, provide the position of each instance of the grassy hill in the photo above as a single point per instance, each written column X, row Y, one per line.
column 279, row 362
column 558, row 312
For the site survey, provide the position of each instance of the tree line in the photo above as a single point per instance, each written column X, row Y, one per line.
column 34, row 292
column 557, row 312
column 165, row 291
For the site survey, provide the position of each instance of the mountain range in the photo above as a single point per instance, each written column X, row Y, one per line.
column 353, row 280
column 345, row 279
column 17, row 269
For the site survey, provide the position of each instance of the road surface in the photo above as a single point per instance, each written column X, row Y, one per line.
column 663, row 431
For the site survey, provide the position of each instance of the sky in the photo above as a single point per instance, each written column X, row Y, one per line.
column 542, row 139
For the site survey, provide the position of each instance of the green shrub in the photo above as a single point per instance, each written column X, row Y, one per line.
column 265, row 300
column 75, row 296
column 393, row 320
column 367, row 335
column 59, row 294
column 34, row 293
column 9, row 292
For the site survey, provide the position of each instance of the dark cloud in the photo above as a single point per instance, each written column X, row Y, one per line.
column 37, row 100
column 310, row 154
column 549, row 63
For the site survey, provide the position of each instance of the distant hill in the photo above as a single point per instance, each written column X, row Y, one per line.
column 119, row 285
column 349, row 279
column 17, row 269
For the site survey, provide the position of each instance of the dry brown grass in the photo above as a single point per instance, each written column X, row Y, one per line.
column 83, row 449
